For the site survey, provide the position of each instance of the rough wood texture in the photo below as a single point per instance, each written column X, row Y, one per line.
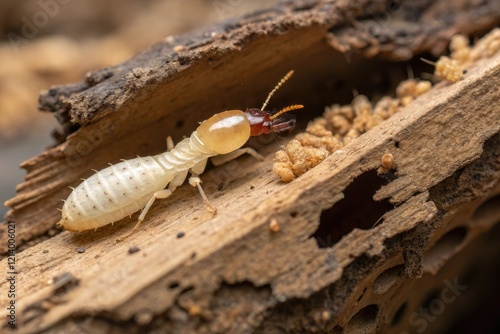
column 229, row 273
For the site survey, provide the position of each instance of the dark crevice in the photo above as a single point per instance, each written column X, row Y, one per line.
column 445, row 246
column 487, row 213
column 362, row 295
column 431, row 296
column 398, row 316
column 365, row 320
column 387, row 279
column 179, row 124
column 356, row 210
column 173, row 285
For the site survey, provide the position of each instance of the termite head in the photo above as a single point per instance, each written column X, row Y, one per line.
column 262, row 122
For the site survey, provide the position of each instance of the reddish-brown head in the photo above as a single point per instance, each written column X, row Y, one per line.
column 263, row 122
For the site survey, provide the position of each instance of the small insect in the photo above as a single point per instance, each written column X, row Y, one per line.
column 122, row 189
column 446, row 68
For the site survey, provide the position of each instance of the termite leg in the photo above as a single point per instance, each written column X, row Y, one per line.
column 195, row 181
column 199, row 168
column 177, row 181
column 170, row 143
column 159, row 194
column 221, row 159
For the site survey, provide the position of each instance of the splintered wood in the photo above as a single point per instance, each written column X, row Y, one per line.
column 340, row 125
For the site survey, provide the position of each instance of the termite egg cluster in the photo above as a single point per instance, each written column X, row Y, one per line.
column 463, row 55
column 449, row 69
column 340, row 125
column 483, row 48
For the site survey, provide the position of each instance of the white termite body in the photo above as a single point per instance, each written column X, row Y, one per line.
column 122, row 189
column 125, row 188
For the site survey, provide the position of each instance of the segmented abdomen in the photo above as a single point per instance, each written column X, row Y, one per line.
column 122, row 189
column 114, row 193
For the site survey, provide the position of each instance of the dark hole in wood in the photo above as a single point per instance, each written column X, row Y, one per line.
column 179, row 124
column 486, row 213
column 173, row 285
column 365, row 319
column 356, row 210
column 445, row 246
column 362, row 294
column 433, row 295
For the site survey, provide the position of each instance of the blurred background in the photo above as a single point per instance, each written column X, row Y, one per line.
column 54, row 42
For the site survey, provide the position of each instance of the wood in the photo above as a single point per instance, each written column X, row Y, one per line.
column 230, row 273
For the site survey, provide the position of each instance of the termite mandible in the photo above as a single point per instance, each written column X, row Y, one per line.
column 131, row 185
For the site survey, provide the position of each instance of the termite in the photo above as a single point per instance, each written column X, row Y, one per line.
column 122, row 189
column 446, row 68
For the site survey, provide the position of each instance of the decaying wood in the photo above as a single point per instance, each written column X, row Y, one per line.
column 127, row 110
column 229, row 272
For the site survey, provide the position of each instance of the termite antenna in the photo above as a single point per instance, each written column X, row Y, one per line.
column 428, row 61
column 378, row 221
column 282, row 81
column 286, row 109
column 427, row 76
column 59, row 209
